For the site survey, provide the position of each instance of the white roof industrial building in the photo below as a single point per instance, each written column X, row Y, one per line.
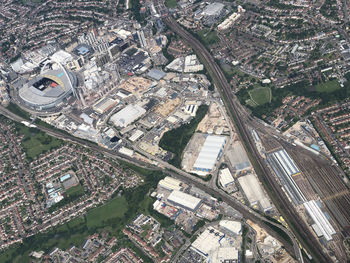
column 127, row 115
column 320, row 219
column 233, row 227
column 104, row 105
column 136, row 135
column 210, row 151
column 285, row 168
column 225, row 177
column 254, row 192
column 213, row 9
column 184, row 200
column 238, row 157
column 170, row 183
column 208, row 241
column 225, row 254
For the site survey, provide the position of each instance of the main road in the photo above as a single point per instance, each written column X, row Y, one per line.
column 241, row 118
column 214, row 191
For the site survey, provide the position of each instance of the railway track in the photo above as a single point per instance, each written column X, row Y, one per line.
column 296, row 223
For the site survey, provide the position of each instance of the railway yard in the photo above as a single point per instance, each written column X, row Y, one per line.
column 216, row 112
column 318, row 180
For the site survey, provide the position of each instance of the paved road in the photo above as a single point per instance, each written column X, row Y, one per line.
column 242, row 120
column 244, row 210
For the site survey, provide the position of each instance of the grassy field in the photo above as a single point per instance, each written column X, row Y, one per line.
column 36, row 142
column 260, row 95
column 17, row 110
column 328, row 87
column 77, row 190
column 99, row 217
column 170, row 3
column 208, row 37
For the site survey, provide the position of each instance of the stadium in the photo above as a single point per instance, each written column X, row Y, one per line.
column 48, row 90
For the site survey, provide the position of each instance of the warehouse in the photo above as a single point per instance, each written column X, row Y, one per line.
column 234, row 228
column 225, row 177
column 136, row 135
column 170, row 183
column 208, row 241
column 285, row 168
column 210, row 151
column 238, row 158
column 104, row 105
column 213, row 9
column 254, row 193
column 320, row 219
column 127, row 115
column 156, row 74
column 183, row 200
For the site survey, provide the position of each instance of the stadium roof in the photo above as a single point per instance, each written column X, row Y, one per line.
column 36, row 97
column 185, row 200
column 209, row 153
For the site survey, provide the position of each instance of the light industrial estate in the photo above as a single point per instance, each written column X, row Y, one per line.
column 174, row 131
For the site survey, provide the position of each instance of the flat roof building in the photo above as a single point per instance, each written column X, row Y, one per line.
column 136, row 135
column 208, row 241
column 184, row 200
column 170, row 183
column 226, row 254
column 225, row 177
column 213, row 9
column 209, row 154
column 233, row 227
column 127, row 115
column 104, row 105
column 253, row 191
column 285, row 169
column 156, row 74
column 320, row 220
column 238, row 157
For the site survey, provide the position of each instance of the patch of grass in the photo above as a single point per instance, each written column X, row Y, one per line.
column 102, row 215
column 208, row 37
column 260, row 95
column 170, row 3
column 176, row 140
column 328, row 87
column 18, row 111
column 251, row 103
column 36, row 142
column 75, row 190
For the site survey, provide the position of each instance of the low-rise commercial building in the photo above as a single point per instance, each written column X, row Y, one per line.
column 127, row 115
column 184, row 200
column 253, row 191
